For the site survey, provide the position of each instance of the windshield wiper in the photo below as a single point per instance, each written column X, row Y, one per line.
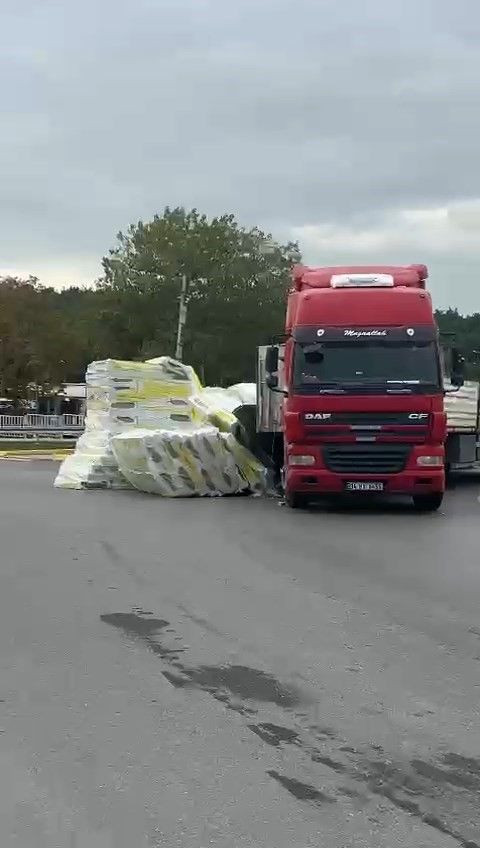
column 411, row 385
column 403, row 382
column 379, row 386
column 331, row 388
column 335, row 387
column 327, row 388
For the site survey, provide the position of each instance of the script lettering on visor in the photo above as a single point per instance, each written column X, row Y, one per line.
column 360, row 334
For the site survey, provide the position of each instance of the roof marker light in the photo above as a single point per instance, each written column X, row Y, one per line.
column 353, row 281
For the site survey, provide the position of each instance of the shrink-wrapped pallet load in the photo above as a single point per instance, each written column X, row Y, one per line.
column 201, row 462
column 151, row 426
column 122, row 396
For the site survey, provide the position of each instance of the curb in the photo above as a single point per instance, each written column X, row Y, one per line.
column 30, row 456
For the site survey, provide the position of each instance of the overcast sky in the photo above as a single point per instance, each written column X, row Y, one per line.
column 351, row 125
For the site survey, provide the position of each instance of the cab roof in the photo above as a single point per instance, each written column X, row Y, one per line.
column 412, row 276
column 350, row 307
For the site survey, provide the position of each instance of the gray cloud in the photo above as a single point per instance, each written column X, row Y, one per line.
column 290, row 113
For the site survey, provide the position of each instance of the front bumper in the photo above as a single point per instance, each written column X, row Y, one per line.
column 412, row 480
column 319, row 481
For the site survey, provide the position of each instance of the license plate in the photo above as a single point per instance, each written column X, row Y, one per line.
column 364, row 486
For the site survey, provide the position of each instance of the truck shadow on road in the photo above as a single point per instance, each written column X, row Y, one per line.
column 365, row 504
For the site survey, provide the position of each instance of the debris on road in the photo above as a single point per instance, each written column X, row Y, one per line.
column 152, row 427
column 203, row 461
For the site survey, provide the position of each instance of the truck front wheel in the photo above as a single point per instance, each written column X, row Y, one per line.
column 296, row 500
column 428, row 503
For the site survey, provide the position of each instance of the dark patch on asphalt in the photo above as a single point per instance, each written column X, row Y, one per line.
column 469, row 765
column 165, row 653
column 274, row 734
column 301, row 791
column 224, row 698
column 251, row 684
column 233, row 685
column 327, row 761
column 350, row 793
column 460, row 771
column 235, row 707
column 134, row 624
column 175, row 679
column 222, row 682
column 427, row 818
column 322, row 732
column 240, row 681
column 145, row 629
column 405, row 787
column 379, row 774
column 398, row 787
column 422, row 714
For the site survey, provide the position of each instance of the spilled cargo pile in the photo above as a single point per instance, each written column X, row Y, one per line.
column 203, row 462
column 152, row 427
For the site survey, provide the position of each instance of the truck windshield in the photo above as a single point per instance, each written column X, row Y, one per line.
column 395, row 367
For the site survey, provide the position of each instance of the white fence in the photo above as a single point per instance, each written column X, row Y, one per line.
column 42, row 422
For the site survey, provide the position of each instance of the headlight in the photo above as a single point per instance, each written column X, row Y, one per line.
column 430, row 461
column 301, row 459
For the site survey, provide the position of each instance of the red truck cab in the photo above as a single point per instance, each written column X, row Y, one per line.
column 362, row 382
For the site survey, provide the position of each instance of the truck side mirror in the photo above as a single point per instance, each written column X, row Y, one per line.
column 271, row 369
column 457, row 378
column 271, row 360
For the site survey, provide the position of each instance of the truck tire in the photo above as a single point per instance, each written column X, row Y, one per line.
column 296, row 500
column 428, row 503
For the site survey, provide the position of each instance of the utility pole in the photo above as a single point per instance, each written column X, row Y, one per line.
column 182, row 318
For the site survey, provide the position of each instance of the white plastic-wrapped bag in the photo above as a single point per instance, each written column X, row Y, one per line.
column 216, row 406
column 245, row 393
column 123, row 394
column 92, row 466
column 201, row 462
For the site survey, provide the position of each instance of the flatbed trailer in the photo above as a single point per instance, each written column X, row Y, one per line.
column 462, row 446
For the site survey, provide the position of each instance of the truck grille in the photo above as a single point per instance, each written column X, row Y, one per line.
column 368, row 419
column 379, row 419
column 366, row 459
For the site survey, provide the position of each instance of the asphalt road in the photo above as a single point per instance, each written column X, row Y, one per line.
column 229, row 673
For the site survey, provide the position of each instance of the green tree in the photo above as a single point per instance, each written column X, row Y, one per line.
column 36, row 349
column 237, row 280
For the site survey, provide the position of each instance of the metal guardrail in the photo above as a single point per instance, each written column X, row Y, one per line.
column 33, row 421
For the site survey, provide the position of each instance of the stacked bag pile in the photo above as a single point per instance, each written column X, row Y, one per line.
column 124, row 396
column 151, row 426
